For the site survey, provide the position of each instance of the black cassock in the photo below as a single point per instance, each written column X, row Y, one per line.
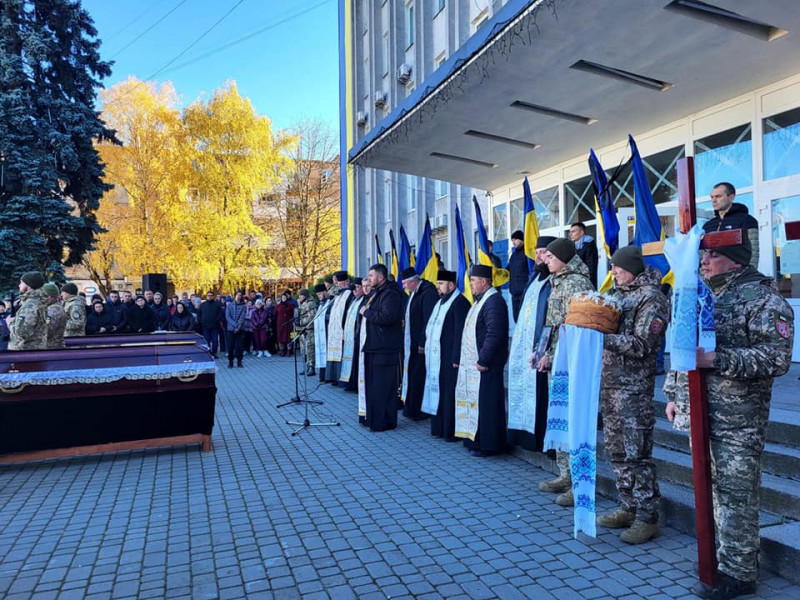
column 352, row 383
column 443, row 425
column 422, row 304
column 383, row 319
column 492, row 338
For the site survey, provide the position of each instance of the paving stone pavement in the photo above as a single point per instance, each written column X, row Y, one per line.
column 335, row 512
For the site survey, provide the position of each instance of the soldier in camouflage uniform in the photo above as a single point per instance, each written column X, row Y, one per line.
column 75, row 310
column 28, row 330
column 570, row 276
column 305, row 315
column 755, row 332
column 626, row 394
column 56, row 317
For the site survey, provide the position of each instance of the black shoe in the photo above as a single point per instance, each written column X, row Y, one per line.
column 230, row 365
column 476, row 452
column 239, row 364
column 727, row 587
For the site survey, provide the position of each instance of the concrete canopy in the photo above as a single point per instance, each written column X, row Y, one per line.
column 549, row 79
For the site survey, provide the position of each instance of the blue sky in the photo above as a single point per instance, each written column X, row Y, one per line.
column 290, row 70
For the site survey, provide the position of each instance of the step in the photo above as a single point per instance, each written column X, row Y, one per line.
column 778, row 459
column 780, row 539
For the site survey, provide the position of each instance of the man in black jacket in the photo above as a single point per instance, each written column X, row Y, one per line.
column 586, row 249
column 518, row 269
column 209, row 317
column 383, row 317
column 118, row 312
column 732, row 215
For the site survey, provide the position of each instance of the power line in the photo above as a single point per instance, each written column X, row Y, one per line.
column 146, row 31
column 135, row 20
column 250, row 35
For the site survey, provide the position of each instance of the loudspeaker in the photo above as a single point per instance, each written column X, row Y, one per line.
column 155, row 282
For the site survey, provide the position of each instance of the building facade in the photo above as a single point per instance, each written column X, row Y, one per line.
column 503, row 90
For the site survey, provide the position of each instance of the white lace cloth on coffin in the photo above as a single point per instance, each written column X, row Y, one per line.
column 10, row 381
column 573, row 427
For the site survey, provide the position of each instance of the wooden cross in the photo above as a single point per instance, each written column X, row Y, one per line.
column 698, row 399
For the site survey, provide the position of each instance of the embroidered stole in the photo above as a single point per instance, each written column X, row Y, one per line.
column 681, row 253
column 407, row 345
column 335, row 328
column 320, row 341
column 468, row 383
column 349, row 339
column 433, row 354
column 362, row 389
column 521, row 377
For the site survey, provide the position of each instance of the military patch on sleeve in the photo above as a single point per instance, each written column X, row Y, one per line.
column 783, row 325
column 657, row 326
column 76, row 315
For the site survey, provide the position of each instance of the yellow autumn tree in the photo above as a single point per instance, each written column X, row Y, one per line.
column 185, row 185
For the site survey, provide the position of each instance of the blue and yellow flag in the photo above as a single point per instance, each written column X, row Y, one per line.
column 648, row 225
column 378, row 250
column 405, row 258
column 530, row 227
column 394, row 268
column 426, row 264
column 607, row 222
column 499, row 276
column 462, row 272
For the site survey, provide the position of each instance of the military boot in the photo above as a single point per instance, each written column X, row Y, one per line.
column 727, row 587
column 310, row 372
column 559, row 485
column 566, row 499
column 618, row 519
column 640, row 532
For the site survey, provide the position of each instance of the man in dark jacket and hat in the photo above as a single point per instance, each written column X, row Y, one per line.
column 518, row 270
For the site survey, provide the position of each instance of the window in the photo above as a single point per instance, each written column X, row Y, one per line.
column 440, row 6
column 441, row 189
column 545, row 203
column 517, row 213
column 411, row 192
column 500, row 233
column 787, row 251
column 387, row 200
column 410, row 23
column 579, row 200
column 386, row 53
column 725, row 156
column 782, row 145
column 662, row 176
column 326, row 176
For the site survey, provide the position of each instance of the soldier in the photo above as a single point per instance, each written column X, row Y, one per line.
column 626, row 394
column 74, row 309
column 56, row 317
column 754, row 330
column 28, row 330
column 305, row 317
column 570, row 277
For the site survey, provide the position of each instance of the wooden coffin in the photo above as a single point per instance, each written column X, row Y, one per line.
column 105, row 393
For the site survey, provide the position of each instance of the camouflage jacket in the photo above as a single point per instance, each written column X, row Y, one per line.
column 76, row 316
column 29, row 328
column 573, row 279
column 755, row 332
column 56, row 324
column 629, row 356
column 307, row 312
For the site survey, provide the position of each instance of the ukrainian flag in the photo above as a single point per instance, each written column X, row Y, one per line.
column 607, row 222
column 426, row 264
column 394, row 268
column 378, row 250
column 648, row 225
column 462, row 272
column 499, row 276
column 406, row 258
column 531, row 227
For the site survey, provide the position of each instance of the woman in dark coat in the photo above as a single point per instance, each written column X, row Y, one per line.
column 141, row 318
column 99, row 321
column 284, row 316
column 272, row 343
column 160, row 311
column 182, row 320
column 259, row 319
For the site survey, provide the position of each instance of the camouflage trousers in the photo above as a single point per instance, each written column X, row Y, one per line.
column 562, row 460
column 308, row 348
column 736, row 486
column 628, row 420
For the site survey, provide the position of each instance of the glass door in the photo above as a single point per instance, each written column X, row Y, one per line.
column 785, row 234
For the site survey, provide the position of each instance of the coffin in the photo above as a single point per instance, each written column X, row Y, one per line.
column 106, row 393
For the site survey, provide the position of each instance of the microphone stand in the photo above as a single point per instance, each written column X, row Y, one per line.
column 294, row 343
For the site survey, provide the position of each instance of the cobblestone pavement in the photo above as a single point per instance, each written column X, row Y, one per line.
column 335, row 512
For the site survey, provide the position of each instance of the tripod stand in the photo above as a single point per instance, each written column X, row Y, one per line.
column 295, row 351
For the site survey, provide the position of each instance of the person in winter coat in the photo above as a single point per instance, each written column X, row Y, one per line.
column 182, row 320
column 141, row 317
column 284, row 315
column 160, row 311
column 99, row 321
column 260, row 321
column 272, row 341
column 247, row 342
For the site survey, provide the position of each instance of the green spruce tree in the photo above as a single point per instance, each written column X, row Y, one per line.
column 50, row 173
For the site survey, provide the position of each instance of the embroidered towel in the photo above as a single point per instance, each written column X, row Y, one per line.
column 681, row 252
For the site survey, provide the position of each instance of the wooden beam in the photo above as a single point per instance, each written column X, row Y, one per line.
column 698, row 402
column 719, row 239
column 792, row 230
column 652, row 248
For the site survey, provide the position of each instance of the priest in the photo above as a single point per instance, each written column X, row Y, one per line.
column 351, row 339
column 480, row 395
column 320, row 328
column 342, row 296
column 442, row 353
column 422, row 297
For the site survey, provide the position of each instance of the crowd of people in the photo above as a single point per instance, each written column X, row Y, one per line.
column 425, row 349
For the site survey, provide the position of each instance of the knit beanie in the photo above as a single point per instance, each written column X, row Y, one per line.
column 70, row 288
column 562, row 248
column 518, row 235
column 51, row 289
column 740, row 254
column 630, row 259
column 33, row 279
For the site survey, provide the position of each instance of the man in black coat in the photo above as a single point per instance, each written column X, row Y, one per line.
column 586, row 249
column 209, row 318
column 518, row 269
column 448, row 340
column 118, row 312
column 422, row 297
column 732, row 215
column 484, row 351
column 383, row 317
